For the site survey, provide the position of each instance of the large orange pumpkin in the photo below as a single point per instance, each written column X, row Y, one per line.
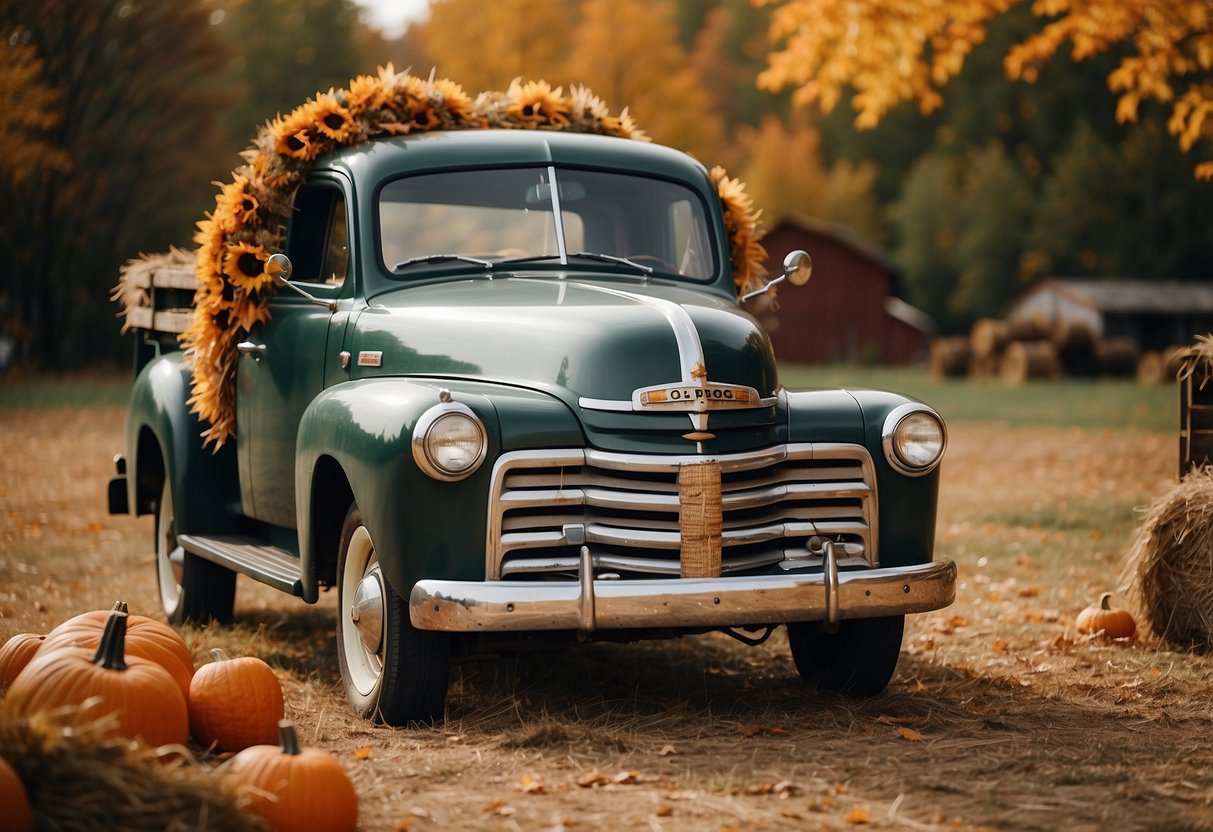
column 146, row 638
column 235, row 703
column 14, row 800
column 294, row 789
column 77, row 686
column 15, row 655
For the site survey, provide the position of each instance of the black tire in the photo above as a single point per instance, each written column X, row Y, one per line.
column 392, row 672
column 192, row 590
column 858, row 659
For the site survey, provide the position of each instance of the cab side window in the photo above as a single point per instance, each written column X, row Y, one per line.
column 318, row 236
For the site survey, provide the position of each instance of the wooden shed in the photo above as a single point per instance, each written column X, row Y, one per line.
column 1153, row 314
column 847, row 312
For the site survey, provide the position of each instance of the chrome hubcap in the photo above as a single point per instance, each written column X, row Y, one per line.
column 366, row 611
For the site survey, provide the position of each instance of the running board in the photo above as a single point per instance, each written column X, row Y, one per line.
column 249, row 556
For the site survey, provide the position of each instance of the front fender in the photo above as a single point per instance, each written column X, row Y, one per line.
column 164, row 438
column 421, row 528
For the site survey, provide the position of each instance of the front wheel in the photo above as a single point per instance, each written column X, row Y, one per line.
column 857, row 659
column 191, row 589
column 392, row 672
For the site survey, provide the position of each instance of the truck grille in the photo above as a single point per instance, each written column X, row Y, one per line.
column 626, row 508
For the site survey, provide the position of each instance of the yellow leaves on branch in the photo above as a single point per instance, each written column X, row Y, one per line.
column 890, row 53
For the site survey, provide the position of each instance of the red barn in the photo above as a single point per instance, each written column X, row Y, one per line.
column 846, row 313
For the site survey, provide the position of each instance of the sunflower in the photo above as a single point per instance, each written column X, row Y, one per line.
column 327, row 116
column 454, row 100
column 235, row 206
column 244, row 265
column 741, row 222
column 292, row 136
column 537, row 105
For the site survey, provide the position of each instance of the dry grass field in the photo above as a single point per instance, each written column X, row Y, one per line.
column 1001, row 715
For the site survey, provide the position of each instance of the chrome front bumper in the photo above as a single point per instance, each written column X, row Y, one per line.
column 587, row 604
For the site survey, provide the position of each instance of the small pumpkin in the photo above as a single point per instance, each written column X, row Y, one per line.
column 18, row 817
column 16, row 654
column 235, row 703
column 145, row 637
column 77, row 686
column 1102, row 617
column 294, row 788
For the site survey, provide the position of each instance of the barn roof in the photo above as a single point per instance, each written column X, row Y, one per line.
column 1129, row 296
column 842, row 233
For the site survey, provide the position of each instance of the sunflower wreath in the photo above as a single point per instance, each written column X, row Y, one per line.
column 251, row 211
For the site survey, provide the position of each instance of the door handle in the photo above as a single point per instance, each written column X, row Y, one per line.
column 249, row 348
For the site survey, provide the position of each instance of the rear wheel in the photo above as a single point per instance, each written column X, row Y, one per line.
column 392, row 672
column 857, row 659
column 191, row 589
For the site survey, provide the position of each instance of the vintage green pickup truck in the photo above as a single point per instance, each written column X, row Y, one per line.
column 505, row 387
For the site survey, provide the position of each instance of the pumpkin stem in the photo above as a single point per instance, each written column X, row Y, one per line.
column 111, row 652
column 218, row 655
column 288, row 740
column 120, row 606
column 1105, row 601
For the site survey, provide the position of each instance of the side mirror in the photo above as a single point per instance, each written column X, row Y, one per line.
column 279, row 268
column 797, row 268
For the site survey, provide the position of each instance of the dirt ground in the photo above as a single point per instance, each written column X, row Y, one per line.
column 1000, row 715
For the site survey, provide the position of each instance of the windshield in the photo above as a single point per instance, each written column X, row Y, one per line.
column 517, row 214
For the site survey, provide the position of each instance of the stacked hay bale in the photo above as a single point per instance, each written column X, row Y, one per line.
column 1169, row 567
column 1020, row 350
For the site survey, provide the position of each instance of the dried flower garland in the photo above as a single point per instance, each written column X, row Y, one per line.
column 251, row 211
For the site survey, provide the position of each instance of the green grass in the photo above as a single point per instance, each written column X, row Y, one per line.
column 1088, row 404
column 86, row 390
column 1071, row 403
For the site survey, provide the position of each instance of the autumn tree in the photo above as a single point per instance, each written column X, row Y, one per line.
column 28, row 110
column 627, row 51
column 890, row 53
column 133, row 115
column 484, row 46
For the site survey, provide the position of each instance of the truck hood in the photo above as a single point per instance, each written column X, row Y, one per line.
column 578, row 338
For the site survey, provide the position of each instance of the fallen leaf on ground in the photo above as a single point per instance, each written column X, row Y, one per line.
column 667, row 750
column 859, row 815
column 362, row 753
column 910, row 734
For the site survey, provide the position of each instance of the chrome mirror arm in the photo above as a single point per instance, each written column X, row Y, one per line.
column 279, row 268
column 797, row 268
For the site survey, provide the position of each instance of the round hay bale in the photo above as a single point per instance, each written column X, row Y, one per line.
column 988, row 338
column 1027, row 329
column 949, row 357
column 1169, row 567
column 1160, row 367
column 1025, row 361
column 1117, row 357
column 86, row 780
column 1074, row 342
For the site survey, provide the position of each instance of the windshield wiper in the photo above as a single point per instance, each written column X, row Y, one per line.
column 487, row 265
column 588, row 255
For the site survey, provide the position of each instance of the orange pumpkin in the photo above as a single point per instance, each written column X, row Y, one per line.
column 235, row 703
column 77, row 686
column 146, row 638
column 1101, row 617
column 294, row 788
column 17, row 814
column 15, row 655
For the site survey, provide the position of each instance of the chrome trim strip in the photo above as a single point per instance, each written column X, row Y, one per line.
column 613, row 405
column 653, row 566
column 504, row 606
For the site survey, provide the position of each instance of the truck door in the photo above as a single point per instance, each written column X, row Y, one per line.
column 286, row 361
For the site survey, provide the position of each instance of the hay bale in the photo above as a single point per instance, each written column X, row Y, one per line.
column 949, row 357
column 1156, row 367
column 1024, row 361
column 1169, row 567
column 1074, row 342
column 988, row 338
column 84, row 780
column 1117, row 357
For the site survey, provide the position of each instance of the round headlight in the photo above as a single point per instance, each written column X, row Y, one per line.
column 449, row 442
column 914, row 439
